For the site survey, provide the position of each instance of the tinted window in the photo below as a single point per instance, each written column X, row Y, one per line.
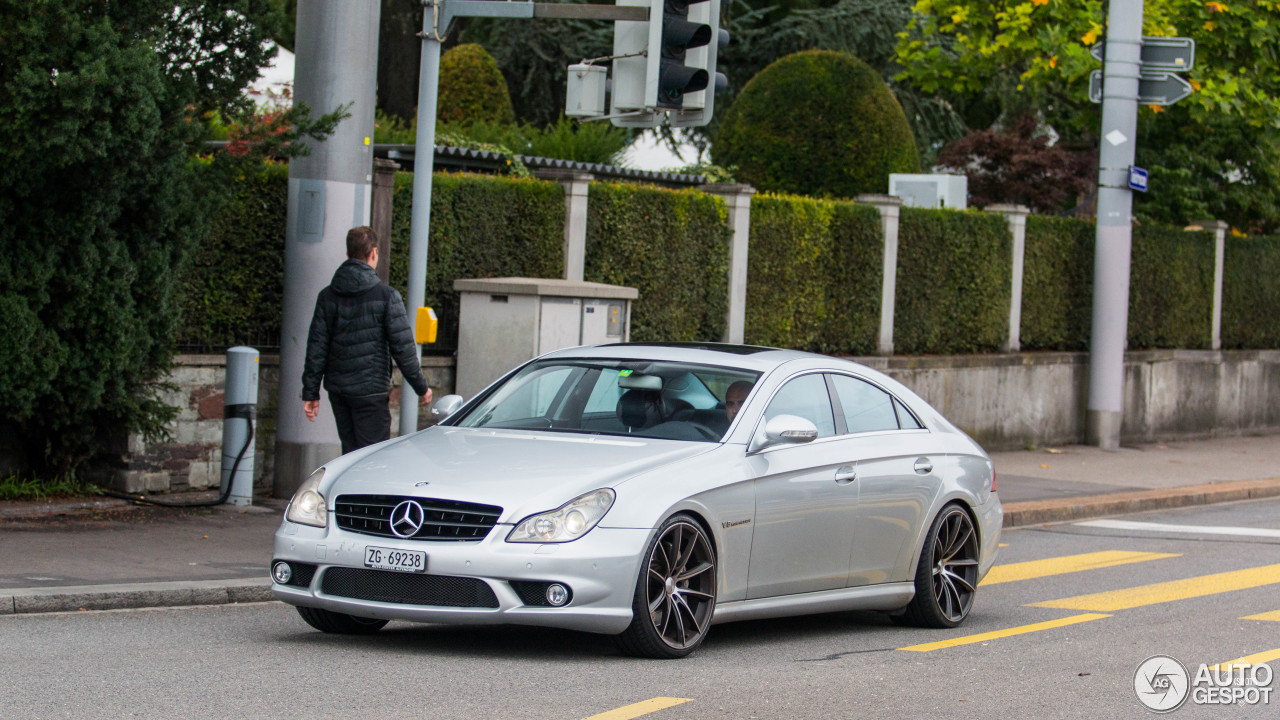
column 806, row 397
column 866, row 407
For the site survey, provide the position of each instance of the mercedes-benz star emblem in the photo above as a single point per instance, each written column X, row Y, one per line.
column 406, row 519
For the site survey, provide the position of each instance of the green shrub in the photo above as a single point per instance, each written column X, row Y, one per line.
column 1057, row 284
column 817, row 123
column 671, row 245
column 1170, row 288
column 481, row 226
column 472, row 88
column 814, row 275
column 1251, row 293
column 953, row 282
column 231, row 292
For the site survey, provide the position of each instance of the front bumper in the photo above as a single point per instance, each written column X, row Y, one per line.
column 600, row 569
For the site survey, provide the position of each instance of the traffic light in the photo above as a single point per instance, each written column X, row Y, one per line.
column 668, row 64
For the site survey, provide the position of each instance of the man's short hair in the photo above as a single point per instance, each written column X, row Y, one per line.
column 361, row 242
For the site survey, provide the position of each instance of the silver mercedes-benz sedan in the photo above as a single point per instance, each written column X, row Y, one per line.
column 650, row 491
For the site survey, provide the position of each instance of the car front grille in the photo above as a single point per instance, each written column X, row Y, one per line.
column 407, row 588
column 444, row 520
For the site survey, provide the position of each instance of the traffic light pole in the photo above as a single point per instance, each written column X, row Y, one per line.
column 1121, row 73
column 420, row 223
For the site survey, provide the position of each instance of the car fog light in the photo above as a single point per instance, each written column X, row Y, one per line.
column 282, row 573
column 557, row 594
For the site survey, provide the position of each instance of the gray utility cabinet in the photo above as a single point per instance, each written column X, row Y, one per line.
column 502, row 322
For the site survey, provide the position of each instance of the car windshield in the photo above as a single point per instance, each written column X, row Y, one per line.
column 675, row 401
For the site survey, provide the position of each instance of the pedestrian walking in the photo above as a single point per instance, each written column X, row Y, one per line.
column 359, row 327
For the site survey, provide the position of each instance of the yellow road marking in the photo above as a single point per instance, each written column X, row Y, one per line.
column 1168, row 591
column 635, row 710
column 1067, row 564
column 1008, row 632
column 1273, row 615
column 1248, row 660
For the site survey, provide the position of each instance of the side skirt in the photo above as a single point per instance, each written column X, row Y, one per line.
column 884, row 597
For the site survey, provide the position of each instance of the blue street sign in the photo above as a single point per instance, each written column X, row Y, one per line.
column 1137, row 178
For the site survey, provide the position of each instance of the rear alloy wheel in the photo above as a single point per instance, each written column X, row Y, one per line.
column 675, row 593
column 340, row 623
column 947, row 576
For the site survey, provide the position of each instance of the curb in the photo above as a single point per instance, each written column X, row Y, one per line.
column 23, row 601
column 1038, row 512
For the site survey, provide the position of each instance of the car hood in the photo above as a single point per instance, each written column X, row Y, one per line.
column 522, row 472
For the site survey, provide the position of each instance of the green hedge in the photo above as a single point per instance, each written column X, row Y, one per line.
column 671, row 245
column 1251, row 293
column 953, row 282
column 481, row 226
column 1170, row 288
column 814, row 275
column 1057, row 284
column 233, row 286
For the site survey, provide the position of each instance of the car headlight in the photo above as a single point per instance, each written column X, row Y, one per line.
column 307, row 505
column 567, row 523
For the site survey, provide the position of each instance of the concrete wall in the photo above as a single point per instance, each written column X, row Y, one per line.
column 1008, row 402
column 1005, row 402
column 192, row 459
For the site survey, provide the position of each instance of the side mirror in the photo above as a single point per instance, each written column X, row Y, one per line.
column 446, row 406
column 784, row 430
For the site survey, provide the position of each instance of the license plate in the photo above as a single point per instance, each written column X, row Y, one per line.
column 413, row 561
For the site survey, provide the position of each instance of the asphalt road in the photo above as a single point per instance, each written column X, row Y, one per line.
column 1043, row 642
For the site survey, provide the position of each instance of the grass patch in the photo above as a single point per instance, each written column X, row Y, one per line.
column 20, row 488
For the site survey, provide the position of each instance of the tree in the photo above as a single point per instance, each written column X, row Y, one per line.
column 471, row 88
column 817, row 123
column 1018, row 165
column 101, row 195
column 1032, row 56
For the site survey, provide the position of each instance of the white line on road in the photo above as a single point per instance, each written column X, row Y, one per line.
column 1191, row 529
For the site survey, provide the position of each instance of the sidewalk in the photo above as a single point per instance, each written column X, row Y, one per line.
column 100, row 554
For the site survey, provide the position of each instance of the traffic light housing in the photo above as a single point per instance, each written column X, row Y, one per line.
column 667, row 66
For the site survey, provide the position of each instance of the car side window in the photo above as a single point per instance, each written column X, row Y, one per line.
column 905, row 418
column 866, row 407
column 604, row 396
column 806, row 397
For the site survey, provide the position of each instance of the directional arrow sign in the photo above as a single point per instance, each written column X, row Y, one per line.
column 1153, row 88
column 1162, row 89
column 1168, row 54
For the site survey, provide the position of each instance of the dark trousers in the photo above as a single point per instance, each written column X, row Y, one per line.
column 361, row 420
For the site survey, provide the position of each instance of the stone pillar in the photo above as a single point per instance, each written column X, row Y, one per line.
column 1219, row 230
column 737, row 199
column 384, row 181
column 890, row 207
column 576, row 184
column 1016, row 215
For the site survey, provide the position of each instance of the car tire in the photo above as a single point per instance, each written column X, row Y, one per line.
column 675, row 594
column 947, row 575
column 340, row 623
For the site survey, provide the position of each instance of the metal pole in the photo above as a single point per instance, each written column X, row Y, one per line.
column 420, row 224
column 239, row 410
column 1121, row 71
column 329, row 193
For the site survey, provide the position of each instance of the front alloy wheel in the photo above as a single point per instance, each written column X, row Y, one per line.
column 675, row 593
column 947, row 577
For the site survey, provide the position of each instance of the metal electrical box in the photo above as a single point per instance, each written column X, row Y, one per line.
column 931, row 191
column 502, row 322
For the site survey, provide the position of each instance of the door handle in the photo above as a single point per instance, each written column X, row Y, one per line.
column 924, row 466
column 846, row 475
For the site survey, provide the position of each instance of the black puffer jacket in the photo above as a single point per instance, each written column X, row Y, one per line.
column 358, row 327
